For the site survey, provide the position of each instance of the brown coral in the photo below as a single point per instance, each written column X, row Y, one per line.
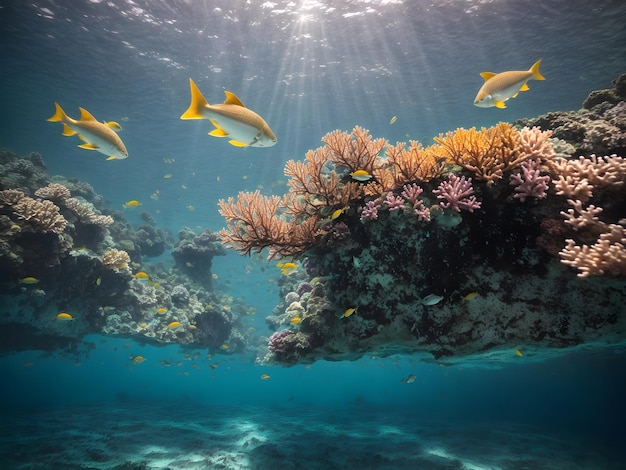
column 42, row 216
column 415, row 164
column 116, row 260
column 54, row 191
column 85, row 214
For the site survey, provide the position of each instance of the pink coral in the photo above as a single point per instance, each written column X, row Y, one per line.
column 607, row 257
column 394, row 202
column 370, row 211
column 530, row 183
column 458, row 194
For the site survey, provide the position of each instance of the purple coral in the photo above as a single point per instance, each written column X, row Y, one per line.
column 370, row 211
column 458, row 194
column 394, row 202
column 278, row 344
column 530, row 183
column 411, row 193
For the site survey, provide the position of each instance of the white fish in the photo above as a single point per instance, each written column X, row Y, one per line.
column 95, row 135
column 432, row 299
column 499, row 87
column 232, row 119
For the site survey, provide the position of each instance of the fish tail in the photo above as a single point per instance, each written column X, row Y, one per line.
column 198, row 103
column 59, row 114
column 535, row 70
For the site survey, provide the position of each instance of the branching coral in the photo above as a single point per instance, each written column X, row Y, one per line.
column 54, row 192
column 42, row 216
column 354, row 151
column 256, row 222
column 486, row 153
column 413, row 164
column 85, row 214
column 115, row 259
column 607, row 257
column 577, row 178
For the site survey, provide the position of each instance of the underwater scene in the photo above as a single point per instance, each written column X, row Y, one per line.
column 300, row 234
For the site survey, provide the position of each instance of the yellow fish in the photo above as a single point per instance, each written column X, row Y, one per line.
column 295, row 320
column 499, row 87
column 224, row 346
column 232, row 119
column 393, row 119
column 361, row 175
column 470, row 296
column 64, row 317
column 192, row 327
column 411, row 378
column 29, row 280
column 518, row 352
column 98, row 281
column 337, row 213
column 288, row 266
column 141, row 275
column 143, row 324
column 173, row 325
column 161, row 310
column 167, row 176
column 349, row 312
column 265, row 377
column 137, row 359
column 95, row 135
column 131, row 203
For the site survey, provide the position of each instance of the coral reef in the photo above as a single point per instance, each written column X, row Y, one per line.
column 61, row 250
column 453, row 255
column 193, row 254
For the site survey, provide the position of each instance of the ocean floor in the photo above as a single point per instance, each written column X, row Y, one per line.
column 130, row 436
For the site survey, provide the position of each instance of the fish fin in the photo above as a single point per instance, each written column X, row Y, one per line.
column 67, row 131
column 487, row 75
column 231, row 98
column 86, row 115
column 236, row 143
column 113, row 125
column 88, row 146
column 525, row 87
column 82, row 138
column 112, row 157
column 515, row 95
column 219, row 132
column 198, row 103
column 59, row 114
column 535, row 70
column 499, row 104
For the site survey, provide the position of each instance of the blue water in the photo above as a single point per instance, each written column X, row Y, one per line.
column 308, row 67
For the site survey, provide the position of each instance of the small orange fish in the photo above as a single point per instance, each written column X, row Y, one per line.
column 295, row 320
column 131, row 203
column 265, row 377
column 173, row 325
column 161, row 310
column 361, row 175
column 29, row 280
column 141, row 275
column 518, row 352
column 64, row 317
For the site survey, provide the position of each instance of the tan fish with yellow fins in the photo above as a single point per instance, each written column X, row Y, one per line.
column 232, row 119
column 95, row 134
column 499, row 87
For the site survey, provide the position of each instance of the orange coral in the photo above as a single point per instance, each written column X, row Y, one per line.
column 486, row 153
column 413, row 164
column 319, row 185
column 355, row 151
column 255, row 222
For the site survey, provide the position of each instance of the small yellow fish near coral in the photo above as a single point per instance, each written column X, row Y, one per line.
column 518, row 352
column 142, row 276
column 64, row 317
column 349, row 312
column 174, row 325
column 95, row 135
column 131, row 203
column 295, row 320
column 361, row 175
column 29, row 280
column 265, row 377
column 499, row 87
column 232, row 119
column 161, row 310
